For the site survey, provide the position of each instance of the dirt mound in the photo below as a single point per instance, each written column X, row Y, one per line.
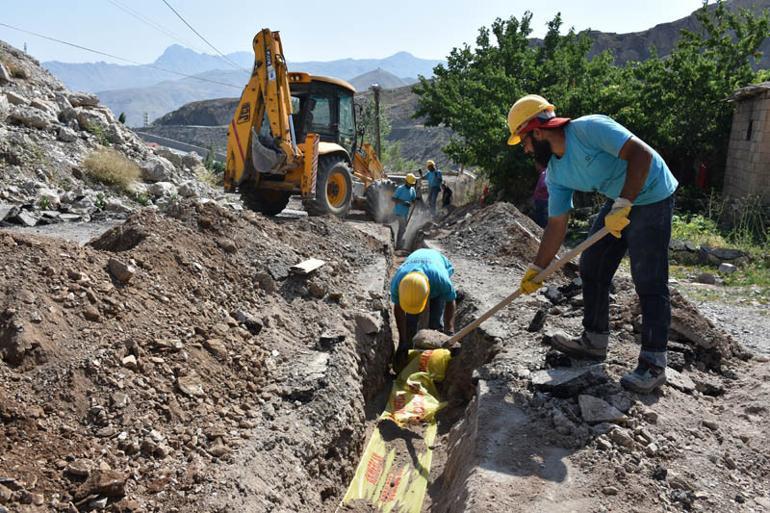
column 134, row 367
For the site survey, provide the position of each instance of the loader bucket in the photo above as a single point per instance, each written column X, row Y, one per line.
column 265, row 159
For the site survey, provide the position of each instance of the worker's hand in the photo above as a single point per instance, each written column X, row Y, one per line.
column 528, row 285
column 617, row 219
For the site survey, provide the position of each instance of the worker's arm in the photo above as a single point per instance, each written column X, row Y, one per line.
column 400, row 323
column 449, row 317
column 639, row 157
column 553, row 236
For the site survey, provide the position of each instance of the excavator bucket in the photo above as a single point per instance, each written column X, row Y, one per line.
column 264, row 159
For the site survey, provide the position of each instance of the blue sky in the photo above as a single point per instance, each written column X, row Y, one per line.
column 311, row 30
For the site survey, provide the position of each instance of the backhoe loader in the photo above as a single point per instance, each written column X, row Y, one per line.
column 295, row 134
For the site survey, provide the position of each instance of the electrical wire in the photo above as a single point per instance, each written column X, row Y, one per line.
column 99, row 52
column 225, row 57
column 152, row 24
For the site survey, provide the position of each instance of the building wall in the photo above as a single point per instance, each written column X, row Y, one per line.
column 747, row 171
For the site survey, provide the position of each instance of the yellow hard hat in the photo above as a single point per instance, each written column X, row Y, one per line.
column 430, row 164
column 411, row 179
column 525, row 108
column 413, row 292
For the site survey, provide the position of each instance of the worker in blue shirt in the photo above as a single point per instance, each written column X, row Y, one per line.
column 597, row 154
column 435, row 179
column 403, row 197
column 423, row 280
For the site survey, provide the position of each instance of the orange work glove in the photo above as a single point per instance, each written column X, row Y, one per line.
column 528, row 285
column 617, row 219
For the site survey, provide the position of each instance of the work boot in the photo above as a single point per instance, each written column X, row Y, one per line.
column 592, row 346
column 645, row 378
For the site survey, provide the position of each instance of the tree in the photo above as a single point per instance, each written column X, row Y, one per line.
column 122, row 118
column 675, row 103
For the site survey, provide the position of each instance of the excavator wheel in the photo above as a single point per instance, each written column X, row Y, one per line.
column 266, row 201
column 379, row 200
column 334, row 188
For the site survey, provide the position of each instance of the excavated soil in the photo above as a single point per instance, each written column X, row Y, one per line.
column 176, row 364
column 524, row 444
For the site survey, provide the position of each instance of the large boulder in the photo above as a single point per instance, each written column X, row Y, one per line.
column 169, row 155
column 162, row 189
column 5, row 75
column 90, row 119
column 157, row 169
column 31, row 117
column 16, row 99
column 82, row 99
column 5, row 107
column 46, row 106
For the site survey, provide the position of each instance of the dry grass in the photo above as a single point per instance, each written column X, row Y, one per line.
column 209, row 177
column 111, row 168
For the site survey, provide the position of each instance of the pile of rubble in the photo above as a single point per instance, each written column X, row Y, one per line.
column 176, row 361
column 47, row 131
column 546, row 432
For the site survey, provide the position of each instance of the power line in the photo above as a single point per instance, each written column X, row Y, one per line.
column 150, row 23
column 98, row 52
column 225, row 57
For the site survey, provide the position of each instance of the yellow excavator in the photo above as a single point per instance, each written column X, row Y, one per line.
column 295, row 134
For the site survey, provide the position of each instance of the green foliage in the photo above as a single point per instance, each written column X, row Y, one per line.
column 697, row 229
column 213, row 166
column 97, row 131
column 122, row 118
column 44, row 203
column 674, row 103
column 142, row 198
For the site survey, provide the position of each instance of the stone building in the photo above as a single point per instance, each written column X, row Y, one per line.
column 748, row 156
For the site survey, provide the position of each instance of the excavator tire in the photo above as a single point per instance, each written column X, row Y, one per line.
column 379, row 200
column 266, row 201
column 334, row 188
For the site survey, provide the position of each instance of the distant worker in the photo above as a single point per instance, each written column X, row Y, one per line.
column 435, row 179
column 423, row 280
column 540, row 196
column 403, row 198
column 595, row 153
column 446, row 196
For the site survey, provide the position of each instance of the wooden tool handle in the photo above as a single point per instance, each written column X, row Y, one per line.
column 555, row 265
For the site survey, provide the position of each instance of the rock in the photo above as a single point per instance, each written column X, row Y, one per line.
column 109, row 483
column 121, row 271
column 5, row 494
column 129, row 362
column 711, row 424
column 159, row 189
column 216, row 347
column 227, row 245
column 22, row 217
column 91, row 313
column 79, row 468
column 316, row 289
column 726, row 268
column 609, row 490
column 369, row 323
column 66, row 135
column 47, row 197
column 622, row 438
column 218, row 448
column 91, row 120
column 5, row 107
column 192, row 160
column 538, row 321
column 16, row 99
column 157, row 169
column 30, row 117
column 169, row 155
column 120, row 400
column 716, row 256
column 45, row 106
column 190, row 385
column 566, row 382
column 253, row 324
column 5, row 75
column 706, row 278
column 554, row 295
column 429, row 339
column 594, row 410
column 679, row 381
column 267, row 283
column 116, row 205
column 188, row 189
column 659, row 473
column 78, row 99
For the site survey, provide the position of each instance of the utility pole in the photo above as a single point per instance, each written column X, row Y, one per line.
column 25, row 47
column 146, row 119
column 376, row 90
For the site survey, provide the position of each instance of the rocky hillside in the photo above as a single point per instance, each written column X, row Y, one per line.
column 379, row 76
column 56, row 146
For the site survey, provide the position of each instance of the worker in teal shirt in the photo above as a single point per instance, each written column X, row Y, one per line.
column 403, row 197
column 435, row 179
column 597, row 154
column 423, row 280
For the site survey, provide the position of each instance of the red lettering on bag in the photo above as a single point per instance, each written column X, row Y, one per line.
column 391, row 487
column 374, row 468
column 424, row 358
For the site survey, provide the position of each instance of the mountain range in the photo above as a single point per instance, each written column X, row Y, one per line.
column 154, row 89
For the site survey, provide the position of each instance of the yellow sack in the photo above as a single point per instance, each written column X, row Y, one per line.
column 414, row 398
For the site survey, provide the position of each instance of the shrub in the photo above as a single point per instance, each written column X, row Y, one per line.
column 111, row 168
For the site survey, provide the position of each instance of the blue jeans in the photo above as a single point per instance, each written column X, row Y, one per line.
column 646, row 239
column 435, row 322
column 432, row 196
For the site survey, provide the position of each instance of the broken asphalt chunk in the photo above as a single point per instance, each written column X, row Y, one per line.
column 567, row 382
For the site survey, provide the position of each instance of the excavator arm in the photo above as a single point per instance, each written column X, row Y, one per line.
column 261, row 138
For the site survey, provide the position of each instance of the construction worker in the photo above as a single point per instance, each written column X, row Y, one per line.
column 423, row 280
column 435, row 179
column 403, row 197
column 595, row 153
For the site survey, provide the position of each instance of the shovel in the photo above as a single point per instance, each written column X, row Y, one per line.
column 431, row 338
